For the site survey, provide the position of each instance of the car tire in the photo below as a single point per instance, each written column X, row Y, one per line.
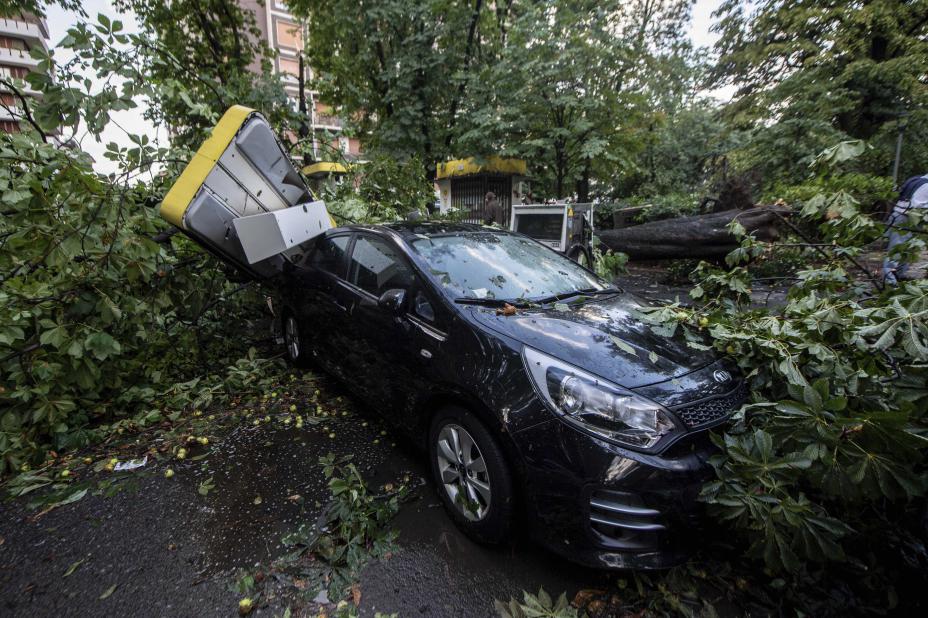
column 581, row 257
column 294, row 343
column 479, row 497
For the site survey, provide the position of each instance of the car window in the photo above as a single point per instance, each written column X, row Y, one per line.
column 329, row 253
column 423, row 308
column 498, row 265
column 376, row 266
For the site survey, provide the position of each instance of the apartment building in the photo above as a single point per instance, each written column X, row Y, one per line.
column 19, row 33
column 283, row 33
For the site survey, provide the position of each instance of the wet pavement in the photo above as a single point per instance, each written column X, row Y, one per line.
column 440, row 572
column 175, row 547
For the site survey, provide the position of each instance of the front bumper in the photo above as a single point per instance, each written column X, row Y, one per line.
column 607, row 507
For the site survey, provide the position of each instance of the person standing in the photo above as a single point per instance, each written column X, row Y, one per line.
column 913, row 195
column 492, row 211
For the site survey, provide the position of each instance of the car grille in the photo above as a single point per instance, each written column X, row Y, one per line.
column 712, row 410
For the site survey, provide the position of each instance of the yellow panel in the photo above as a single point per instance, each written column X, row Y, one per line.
column 324, row 167
column 194, row 175
column 493, row 164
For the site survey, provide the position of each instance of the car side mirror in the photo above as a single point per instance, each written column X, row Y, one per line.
column 392, row 300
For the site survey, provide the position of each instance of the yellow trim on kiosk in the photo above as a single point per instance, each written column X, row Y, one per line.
column 194, row 175
column 470, row 165
column 324, row 167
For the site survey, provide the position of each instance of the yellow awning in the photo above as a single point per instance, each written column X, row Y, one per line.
column 324, row 167
column 492, row 165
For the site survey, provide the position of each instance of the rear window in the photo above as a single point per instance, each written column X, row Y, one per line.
column 329, row 255
column 376, row 266
column 545, row 226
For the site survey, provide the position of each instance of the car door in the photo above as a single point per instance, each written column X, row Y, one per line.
column 314, row 293
column 375, row 265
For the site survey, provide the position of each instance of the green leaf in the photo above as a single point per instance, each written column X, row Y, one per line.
column 109, row 591
column 73, row 567
column 623, row 346
column 102, row 345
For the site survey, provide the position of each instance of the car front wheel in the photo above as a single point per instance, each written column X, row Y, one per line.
column 473, row 478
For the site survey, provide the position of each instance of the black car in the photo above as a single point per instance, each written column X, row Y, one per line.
column 541, row 395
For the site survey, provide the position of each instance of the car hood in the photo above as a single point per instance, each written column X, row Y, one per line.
column 605, row 337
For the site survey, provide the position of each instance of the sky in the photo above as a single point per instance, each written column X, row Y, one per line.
column 60, row 20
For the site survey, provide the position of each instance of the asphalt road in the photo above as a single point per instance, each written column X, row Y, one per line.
column 159, row 547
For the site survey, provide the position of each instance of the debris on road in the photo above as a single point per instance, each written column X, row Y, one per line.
column 133, row 464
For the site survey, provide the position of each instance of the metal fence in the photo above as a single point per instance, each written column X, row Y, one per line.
column 469, row 195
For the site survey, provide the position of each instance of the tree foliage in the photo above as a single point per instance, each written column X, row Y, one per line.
column 400, row 69
column 832, row 448
column 102, row 314
column 566, row 85
column 815, row 72
column 203, row 57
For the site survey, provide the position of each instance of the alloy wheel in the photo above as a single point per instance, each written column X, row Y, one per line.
column 292, row 337
column 463, row 472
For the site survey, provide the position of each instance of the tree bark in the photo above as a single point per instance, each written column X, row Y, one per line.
column 698, row 236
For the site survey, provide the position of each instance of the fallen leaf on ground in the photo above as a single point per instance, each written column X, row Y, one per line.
column 356, row 594
column 74, row 566
column 108, row 592
column 583, row 597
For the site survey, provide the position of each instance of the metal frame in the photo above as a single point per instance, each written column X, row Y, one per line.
column 564, row 208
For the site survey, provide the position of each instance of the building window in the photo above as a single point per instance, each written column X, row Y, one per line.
column 13, row 72
column 289, row 67
column 7, row 42
column 288, row 34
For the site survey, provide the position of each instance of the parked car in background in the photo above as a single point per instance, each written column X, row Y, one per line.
column 541, row 396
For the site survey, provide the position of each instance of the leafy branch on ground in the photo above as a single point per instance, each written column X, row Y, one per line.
column 330, row 552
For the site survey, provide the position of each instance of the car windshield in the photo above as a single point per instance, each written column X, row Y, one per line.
column 492, row 265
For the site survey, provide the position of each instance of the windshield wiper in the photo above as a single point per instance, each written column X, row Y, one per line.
column 584, row 292
column 491, row 302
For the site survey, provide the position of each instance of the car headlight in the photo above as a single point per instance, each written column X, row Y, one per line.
column 597, row 406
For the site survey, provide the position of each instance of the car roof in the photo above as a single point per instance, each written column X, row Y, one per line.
column 408, row 230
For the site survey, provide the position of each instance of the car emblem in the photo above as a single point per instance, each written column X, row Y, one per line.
column 721, row 376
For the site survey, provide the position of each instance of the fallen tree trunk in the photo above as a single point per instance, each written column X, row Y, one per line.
column 697, row 236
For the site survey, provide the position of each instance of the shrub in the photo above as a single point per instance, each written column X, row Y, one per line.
column 831, row 449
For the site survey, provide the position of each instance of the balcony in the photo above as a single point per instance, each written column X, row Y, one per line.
column 324, row 121
column 21, row 86
column 10, row 112
column 32, row 33
column 17, row 57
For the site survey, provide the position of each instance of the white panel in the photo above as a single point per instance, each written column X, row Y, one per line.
column 271, row 233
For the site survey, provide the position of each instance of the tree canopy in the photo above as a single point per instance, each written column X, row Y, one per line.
column 809, row 73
